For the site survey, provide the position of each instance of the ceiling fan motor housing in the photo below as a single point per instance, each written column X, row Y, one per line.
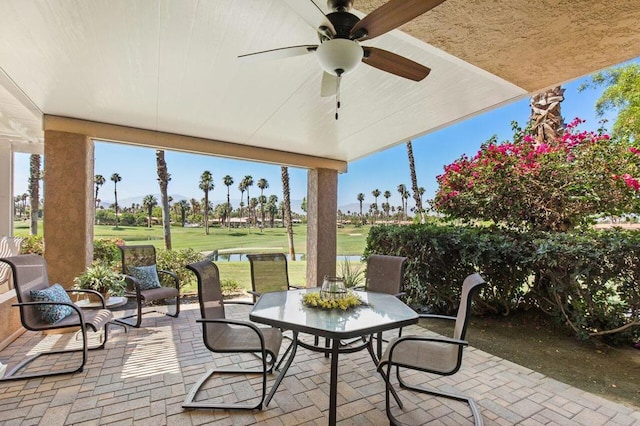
column 339, row 56
column 343, row 22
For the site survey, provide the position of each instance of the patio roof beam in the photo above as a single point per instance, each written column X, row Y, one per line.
column 162, row 140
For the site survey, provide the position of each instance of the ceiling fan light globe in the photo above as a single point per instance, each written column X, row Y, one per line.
column 339, row 56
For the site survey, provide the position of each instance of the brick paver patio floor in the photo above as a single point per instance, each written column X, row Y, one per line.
column 142, row 378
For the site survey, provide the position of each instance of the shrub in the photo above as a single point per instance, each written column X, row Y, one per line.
column 175, row 261
column 230, row 286
column 588, row 280
column 106, row 250
column 32, row 244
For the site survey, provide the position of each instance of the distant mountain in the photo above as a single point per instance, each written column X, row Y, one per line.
column 296, row 205
column 354, row 207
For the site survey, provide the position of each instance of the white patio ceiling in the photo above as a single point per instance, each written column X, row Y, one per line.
column 172, row 66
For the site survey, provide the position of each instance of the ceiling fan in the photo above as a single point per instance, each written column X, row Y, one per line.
column 341, row 32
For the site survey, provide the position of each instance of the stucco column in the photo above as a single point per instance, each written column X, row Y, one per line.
column 68, row 205
column 322, row 204
column 6, row 189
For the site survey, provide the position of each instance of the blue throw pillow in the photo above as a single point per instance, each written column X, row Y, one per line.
column 147, row 275
column 52, row 313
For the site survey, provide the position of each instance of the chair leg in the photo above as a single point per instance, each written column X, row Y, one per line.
column 11, row 375
column 138, row 315
column 475, row 412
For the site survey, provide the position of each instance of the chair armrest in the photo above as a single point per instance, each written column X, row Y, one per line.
column 295, row 287
column 237, row 302
column 131, row 280
column 88, row 291
column 71, row 305
column 401, row 294
column 254, row 293
column 434, row 316
column 241, row 324
column 172, row 275
column 358, row 288
column 440, row 339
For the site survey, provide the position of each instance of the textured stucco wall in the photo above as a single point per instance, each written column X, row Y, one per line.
column 533, row 44
column 68, row 206
column 10, row 327
column 322, row 205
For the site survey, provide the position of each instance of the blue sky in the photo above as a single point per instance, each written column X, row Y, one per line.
column 384, row 170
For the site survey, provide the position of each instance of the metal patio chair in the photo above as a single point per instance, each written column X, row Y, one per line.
column 44, row 307
column 9, row 246
column 222, row 335
column 144, row 284
column 438, row 355
column 269, row 272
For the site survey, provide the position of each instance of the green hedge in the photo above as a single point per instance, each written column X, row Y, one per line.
column 589, row 280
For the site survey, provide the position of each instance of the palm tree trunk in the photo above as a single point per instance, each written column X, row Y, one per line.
column 287, row 211
column 546, row 118
column 163, row 180
column 34, row 191
column 414, row 182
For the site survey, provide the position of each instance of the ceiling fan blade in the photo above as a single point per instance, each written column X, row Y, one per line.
column 390, row 16
column 329, row 85
column 394, row 64
column 314, row 16
column 283, row 52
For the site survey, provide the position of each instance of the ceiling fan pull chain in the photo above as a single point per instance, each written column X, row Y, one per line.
column 338, row 94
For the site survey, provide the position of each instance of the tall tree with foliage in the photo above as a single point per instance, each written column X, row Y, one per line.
column 149, row 202
column 621, row 94
column 376, row 193
column 98, row 180
column 402, row 190
column 183, row 207
column 262, row 184
column 248, row 182
column 206, row 185
column 387, row 195
column 414, row 182
column 115, row 178
column 228, row 181
column 163, row 180
column 34, row 190
column 360, row 198
column 284, row 172
column 553, row 186
column 241, row 188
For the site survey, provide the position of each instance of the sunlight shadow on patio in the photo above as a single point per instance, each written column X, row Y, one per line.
column 153, row 354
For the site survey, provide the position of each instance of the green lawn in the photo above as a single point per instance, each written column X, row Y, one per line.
column 351, row 242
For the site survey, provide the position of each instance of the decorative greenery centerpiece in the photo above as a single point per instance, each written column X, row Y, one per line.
column 101, row 278
column 315, row 300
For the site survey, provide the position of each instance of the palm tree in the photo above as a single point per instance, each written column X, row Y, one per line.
column 241, row 188
column 34, row 190
column 414, row 182
column 115, row 178
column 206, row 184
column 284, row 172
column 272, row 208
column 248, row 182
column 149, row 202
column 361, row 199
column 262, row 184
column 376, row 194
column 183, row 205
column 228, row 181
column 387, row 195
column 163, row 180
column 99, row 180
column 402, row 189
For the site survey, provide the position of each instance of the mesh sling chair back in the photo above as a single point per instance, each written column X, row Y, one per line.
column 144, row 282
column 269, row 272
column 438, row 355
column 384, row 275
column 222, row 335
column 30, row 274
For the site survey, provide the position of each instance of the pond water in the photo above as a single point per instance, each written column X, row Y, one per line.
column 242, row 257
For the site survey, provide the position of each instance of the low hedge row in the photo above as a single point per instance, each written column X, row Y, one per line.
column 589, row 280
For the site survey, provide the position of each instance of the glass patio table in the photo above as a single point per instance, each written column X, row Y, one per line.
column 285, row 310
